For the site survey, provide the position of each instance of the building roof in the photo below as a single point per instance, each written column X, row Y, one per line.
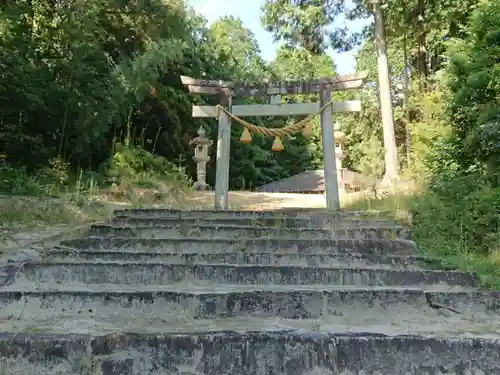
column 308, row 181
column 314, row 181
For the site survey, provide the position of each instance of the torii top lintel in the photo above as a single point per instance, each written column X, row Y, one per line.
column 239, row 89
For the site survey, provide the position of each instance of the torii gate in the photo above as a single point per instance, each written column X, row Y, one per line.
column 227, row 90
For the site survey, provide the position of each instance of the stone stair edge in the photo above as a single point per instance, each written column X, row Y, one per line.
column 30, row 339
column 243, row 241
column 246, row 227
column 242, row 266
column 69, row 250
column 271, row 244
column 283, row 222
column 122, row 213
column 286, row 352
column 225, row 218
column 222, row 273
column 314, row 289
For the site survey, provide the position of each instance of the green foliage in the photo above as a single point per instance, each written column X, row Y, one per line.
column 457, row 223
column 456, row 130
column 458, row 219
column 77, row 79
column 299, row 64
column 474, row 79
column 461, row 208
column 305, row 23
column 134, row 166
column 296, row 64
column 57, row 174
column 363, row 145
column 316, row 25
column 430, row 129
column 17, row 181
column 48, row 181
column 458, row 215
column 238, row 48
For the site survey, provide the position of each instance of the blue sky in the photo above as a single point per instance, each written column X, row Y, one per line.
column 249, row 12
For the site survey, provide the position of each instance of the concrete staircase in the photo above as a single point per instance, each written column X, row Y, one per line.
column 236, row 293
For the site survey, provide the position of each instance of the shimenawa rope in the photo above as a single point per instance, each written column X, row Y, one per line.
column 304, row 125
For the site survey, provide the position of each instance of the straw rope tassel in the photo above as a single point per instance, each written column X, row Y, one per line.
column 246, row 137
column 278, row 145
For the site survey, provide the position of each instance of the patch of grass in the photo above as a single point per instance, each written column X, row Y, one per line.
column 25, row 219
column 34, row 212
column 445, row 228
column 386, row 206
column 56, row 195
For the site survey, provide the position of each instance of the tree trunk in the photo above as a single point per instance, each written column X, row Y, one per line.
column 421, row 53
column 406, row 100
column 391, row 151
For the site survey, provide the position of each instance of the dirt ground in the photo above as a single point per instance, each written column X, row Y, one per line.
column 258, row 201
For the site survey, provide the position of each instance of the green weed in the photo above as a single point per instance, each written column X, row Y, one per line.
column 462, row 231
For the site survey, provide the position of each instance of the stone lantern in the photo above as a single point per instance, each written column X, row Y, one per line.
column 202, row 143
column 339, row 141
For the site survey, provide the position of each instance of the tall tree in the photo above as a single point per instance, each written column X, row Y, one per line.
column 425, row 25
column 474, row 78
column 298, row 63
column 237, row 45
column 305, row 23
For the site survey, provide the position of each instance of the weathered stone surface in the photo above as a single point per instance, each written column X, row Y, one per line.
column 209, row 232
column 164, row 274
column 262, row 258
column 20, row 256
column 228, row 214
column 183, row 245
column 280, row 222
column 284, row 353
column 267, row 302
column 8, row 273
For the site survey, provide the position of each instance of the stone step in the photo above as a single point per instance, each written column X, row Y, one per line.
column 279, row 222
column 423, row 322
column 229, row 214
column 257, row 353
column 233, row 232
column 382, row 247
column 103, row 302
column 262, row 258
column 165, row 274
column 228, row 295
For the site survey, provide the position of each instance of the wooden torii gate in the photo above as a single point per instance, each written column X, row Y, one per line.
column 227, row 90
